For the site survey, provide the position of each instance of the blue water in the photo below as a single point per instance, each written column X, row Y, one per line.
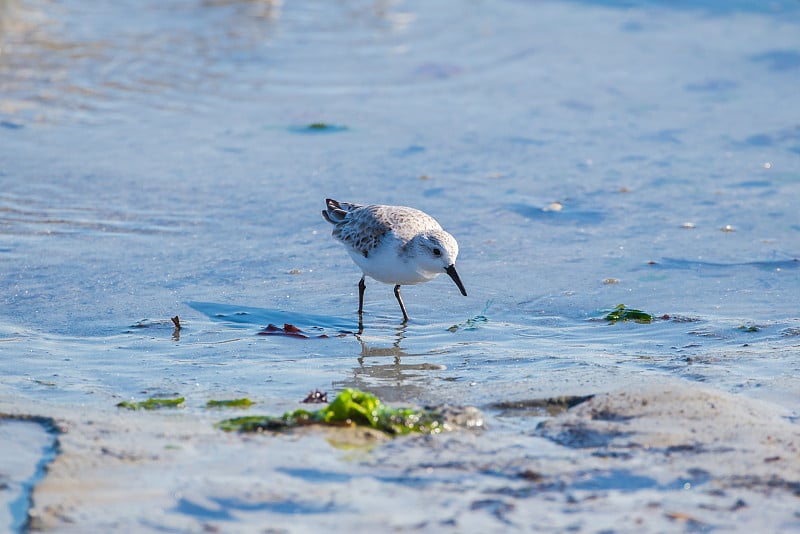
column 28, row 446
column 157, row 159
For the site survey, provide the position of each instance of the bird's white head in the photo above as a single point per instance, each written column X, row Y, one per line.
column 436, row 252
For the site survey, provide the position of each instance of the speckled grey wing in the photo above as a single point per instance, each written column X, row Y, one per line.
column 354, row 225
column 360, row 230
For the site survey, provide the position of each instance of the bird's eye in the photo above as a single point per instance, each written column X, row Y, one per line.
column 437, row 252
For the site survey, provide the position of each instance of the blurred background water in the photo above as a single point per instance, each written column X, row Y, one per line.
column 156, row 160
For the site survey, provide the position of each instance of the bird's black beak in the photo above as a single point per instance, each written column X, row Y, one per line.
column 451, row 271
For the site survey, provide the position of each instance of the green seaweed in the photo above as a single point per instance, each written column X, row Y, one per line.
column 469, row 324
column 473, row 323
column 152, row 404
column 232, row 403
column 751, row 328
column 350, row 408
column 318, row 128
column 622, row 313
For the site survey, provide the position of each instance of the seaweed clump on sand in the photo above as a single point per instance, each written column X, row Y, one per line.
column 623, row 313
column 351, row 407
column 152, row 404
column 230, row 403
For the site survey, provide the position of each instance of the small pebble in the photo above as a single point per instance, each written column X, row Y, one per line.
column 553, row 206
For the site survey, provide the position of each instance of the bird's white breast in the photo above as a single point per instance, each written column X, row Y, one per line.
column 386, row 263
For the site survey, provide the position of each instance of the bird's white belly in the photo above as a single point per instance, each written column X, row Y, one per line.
column 385, row 265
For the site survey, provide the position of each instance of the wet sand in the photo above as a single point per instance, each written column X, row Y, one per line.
column 665, row 455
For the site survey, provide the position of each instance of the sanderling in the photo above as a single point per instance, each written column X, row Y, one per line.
column 394, row 245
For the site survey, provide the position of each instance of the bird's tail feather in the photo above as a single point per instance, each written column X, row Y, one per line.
column 335, row 212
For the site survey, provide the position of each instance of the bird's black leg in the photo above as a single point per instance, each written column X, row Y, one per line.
column 400, row 301
column 361, row 287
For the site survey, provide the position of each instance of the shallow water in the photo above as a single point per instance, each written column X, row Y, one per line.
column 156, row 160
column 28, row 446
